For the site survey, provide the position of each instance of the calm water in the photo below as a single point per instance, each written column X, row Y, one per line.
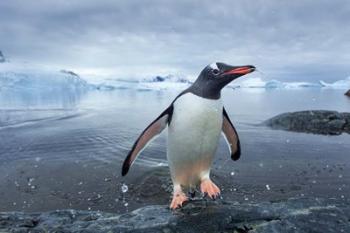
column 100, row 127
column 103, row 125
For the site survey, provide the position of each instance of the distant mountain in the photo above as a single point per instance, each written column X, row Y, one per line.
column 2, row 57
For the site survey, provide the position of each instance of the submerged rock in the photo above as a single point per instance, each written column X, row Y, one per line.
column 315, row 121
column 293, row 215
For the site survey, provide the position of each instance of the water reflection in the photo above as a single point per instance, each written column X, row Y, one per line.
column 40, row 99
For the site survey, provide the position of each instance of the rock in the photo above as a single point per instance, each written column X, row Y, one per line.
column 315, row 121
column 2, row 57
column 70, row 73
column 293, row 215
column 348, row 93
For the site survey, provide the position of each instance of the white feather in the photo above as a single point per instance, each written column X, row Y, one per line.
column 193, row 137
column 214, row 66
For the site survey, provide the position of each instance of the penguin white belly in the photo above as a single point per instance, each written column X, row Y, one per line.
column 193, row 136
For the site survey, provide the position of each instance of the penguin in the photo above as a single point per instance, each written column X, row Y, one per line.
column 195, row 120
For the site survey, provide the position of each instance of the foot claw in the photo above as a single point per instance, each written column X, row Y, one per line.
column 178, row 199
column 210, row 189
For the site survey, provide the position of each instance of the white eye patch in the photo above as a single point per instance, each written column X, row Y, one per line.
column 214, row 66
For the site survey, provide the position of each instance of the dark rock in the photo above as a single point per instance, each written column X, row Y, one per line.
column 158, row 79
column 2, row 57
column 315, row 121
column 70, row 73
column 347, row 93
column 293, row 215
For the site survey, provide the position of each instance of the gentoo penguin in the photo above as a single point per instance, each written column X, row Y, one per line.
column 195, row 120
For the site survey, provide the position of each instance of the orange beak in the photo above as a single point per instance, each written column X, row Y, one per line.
column 241, row 70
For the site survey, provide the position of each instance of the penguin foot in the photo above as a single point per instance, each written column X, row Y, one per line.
column 209, row 188
column 178, row 199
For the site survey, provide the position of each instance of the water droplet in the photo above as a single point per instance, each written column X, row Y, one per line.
column 261, row 164
column 246, row 199
column 37, row 159
column 342, row 196
column 126, row 204
column 340, row 176
column 267, row 187
column 232, row 173
column 124, row 188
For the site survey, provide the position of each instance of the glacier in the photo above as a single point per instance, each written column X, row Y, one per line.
column 29, row 77
column 39, row 79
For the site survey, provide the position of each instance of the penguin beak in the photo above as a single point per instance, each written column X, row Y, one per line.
column 240, row 70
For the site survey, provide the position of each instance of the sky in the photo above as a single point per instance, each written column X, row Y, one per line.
column 286, row 40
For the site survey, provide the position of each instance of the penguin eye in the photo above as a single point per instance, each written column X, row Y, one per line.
column 215, row 71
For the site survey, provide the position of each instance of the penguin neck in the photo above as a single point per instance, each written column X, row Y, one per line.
column 205, row 90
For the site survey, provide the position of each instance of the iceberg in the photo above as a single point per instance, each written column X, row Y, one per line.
column 41, row 79
column 272, row 84
column 23, row 85
column 168, row 82
column 340, row 84
column 164, row 83
column 168, row 78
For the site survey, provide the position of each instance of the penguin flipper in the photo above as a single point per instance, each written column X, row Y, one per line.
column 231, row 136
column 152, row 130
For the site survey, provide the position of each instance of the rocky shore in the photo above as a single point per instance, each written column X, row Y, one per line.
column 292, row 215
column 313, row 121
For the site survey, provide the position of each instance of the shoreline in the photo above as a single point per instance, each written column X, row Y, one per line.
column 292, row 215
column 30, row 187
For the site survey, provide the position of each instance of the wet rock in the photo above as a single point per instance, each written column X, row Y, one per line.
column 293, row 215
column 2, row 57
column 315, row 121
column 348, row 93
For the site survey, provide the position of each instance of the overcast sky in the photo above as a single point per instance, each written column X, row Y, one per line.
column 286, row 40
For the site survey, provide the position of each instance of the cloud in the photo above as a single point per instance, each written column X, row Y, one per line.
column 287, row 40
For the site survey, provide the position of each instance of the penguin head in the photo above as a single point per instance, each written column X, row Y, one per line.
column 216, row 76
